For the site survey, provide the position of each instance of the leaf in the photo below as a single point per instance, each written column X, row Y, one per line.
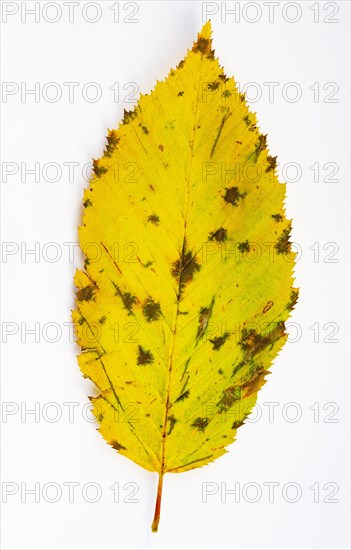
column 188, row 271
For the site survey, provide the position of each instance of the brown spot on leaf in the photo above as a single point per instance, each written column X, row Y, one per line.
column 179, row 94
column 219, row 341
column 229, row 396
column 102, row 320
column 277, row 218
column 213, row 86
column 252, row 342
column 160, row 147
column 244, row 246
column 256, row 381
column 232, row 195
column 180, row 64
column 220, row 235
column 204, row 317
column 116, row 445
column 272, row 163
column 236, row 424
column 154, row 219
column 268, row 306
column 200, row 423
column 184, row 269
column 283, row 244
column 145, row 357
column 172, row 421
column 98, row 169
column 260, row 145
column 144, row 129
column 151, row 310
column 203, row 45
column 87, row 203
column 183, row 396
column 127, row 298
column 112, row 142
column 86, row 293
column 294, row 295
column 128, row 116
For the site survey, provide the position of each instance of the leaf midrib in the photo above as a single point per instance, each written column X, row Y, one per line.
column 174, row 331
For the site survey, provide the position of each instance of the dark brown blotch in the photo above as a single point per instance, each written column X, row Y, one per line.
column 220, row 235
column 203, row 45
column 154, row 219
column 117, row 446
column 294, row 295
column 128, row 116
column 244, row 246
column 204, row 316
column 127, row 298
column 256, row 381
column 179, row 94
column 151, row 310
column 277, row 218
column 184, row 269
column 86, row 293
column 272, row 163
column 145, row 357
column 283, row 244
column 252, row 342
column 200, row 423
column 219, row 341
column 102, row 320
column 229, row 396
column 112, row 142
column 260, row 146
column 183, row 396
column 172, row 421
column 212, row 86
column 87, row 203
column 268, row 306
column 144, row 129
column 237, row 423
column 247, row 120
column 232, row 195
column 98, row 169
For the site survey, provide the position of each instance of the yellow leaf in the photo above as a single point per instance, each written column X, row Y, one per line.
column 188, row 272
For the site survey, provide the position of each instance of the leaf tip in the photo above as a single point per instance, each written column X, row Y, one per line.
column 204, row 41
column 206, row 31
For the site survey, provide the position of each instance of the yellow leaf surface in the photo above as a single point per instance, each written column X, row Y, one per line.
column 188, row 272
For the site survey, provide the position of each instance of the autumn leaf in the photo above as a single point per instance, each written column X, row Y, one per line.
column 188, row 270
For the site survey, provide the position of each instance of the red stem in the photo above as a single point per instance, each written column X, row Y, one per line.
column 154, row 526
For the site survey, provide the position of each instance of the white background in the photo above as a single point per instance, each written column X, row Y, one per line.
column 308, row 373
